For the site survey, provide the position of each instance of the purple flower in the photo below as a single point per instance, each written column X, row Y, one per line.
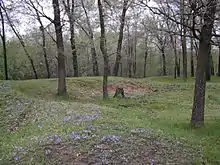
column 75, row 135
column 17, row 158
column 58, row 140
column 67, row 118
column 111, row 138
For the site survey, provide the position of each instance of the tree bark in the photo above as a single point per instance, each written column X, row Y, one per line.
column 120, row 39
column 3, row 37
column 60, row 50
column 145, row 56
column 164, row 62
column 197, row 118
column 103, row 48
column 183, row 39
column 71, row 16
column 192, row 58
column 208, row 66
column 218, row 61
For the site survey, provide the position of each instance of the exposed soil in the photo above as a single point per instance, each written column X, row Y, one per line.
column 129, row 151
column 130, row 88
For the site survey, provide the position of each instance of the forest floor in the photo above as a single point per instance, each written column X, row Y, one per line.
column 150, row 126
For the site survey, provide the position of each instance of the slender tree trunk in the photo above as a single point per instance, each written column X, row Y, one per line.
column 135, row 53
column 92, row 44
column 145, row 56
column 43, row 38
column 212, row 66
column 183, row 39
column 164, row 62
column 120, row 39
column 72, row 40
column 103, row 48
column 3, row 37
column 192, row 60
column 21, row 41
column 219, row 61
column 95, row 67
column 60, row 50
column 197, row 119
column 130, row 52
column 178, row 67
column 208, row 65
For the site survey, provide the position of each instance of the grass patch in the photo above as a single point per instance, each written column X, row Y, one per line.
column 34, row 112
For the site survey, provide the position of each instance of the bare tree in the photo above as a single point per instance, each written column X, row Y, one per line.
column 42, row 29
column 20, row 39
column 60, row 50
column 197, row 119
column 70, row 9
column 90, row 35
column 103, row 48
column 120, row 38
column 3, row 37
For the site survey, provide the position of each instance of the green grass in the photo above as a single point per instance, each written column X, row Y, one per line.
column 166, row 111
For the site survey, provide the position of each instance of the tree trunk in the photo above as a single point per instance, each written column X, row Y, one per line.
column 208, row 66
column 178, row 67
column 92, row 44
column 183, row 40
column 192, row 60
column 145, row 56
column 135, row 53
column 3, row 37
column 43, row 38
column 103, row 48
column 72, row 39
column 95, row 67
column 60, row 50
column 120, row 39
column 21, row 41
column 164, row 62
column 212, row 66
column 219, row 61
column 197, row 119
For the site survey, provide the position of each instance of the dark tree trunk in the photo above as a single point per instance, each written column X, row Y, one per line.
column 145, row 57
column 120, row 39
column 3, row 37
column 164, row 62
column 212, row 66
column 103, row 48
column 176, row 61
column 72, row 39
column 219, row 61
column 178, row 67
column 192, row 60
column 208, row 66
column 60, row 50
column 95, row 67
column 197, row 119
column 183, row 40
column 70, row 9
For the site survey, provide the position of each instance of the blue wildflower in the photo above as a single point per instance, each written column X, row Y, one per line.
column 67, row 118
column 111, row 138
column 17, row 158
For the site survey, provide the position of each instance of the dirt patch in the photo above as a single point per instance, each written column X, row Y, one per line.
column 127, row 151
column 130, row 88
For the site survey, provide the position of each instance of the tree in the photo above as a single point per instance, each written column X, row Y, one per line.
column 20, row 39
column 103, row 48
column 120, row 38
column 90, row 35
column 60, row 50
column 42, row 29
column 70, row 9
column 197, row 119
column 3, row 37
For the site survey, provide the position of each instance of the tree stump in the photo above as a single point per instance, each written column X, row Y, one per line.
column 119, row 93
